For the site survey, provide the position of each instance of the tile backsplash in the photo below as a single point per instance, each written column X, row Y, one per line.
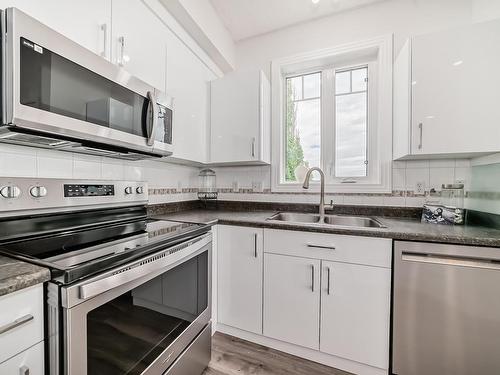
column 484, row 193
column 253, row 183
column 172, row 183
column 20, row 161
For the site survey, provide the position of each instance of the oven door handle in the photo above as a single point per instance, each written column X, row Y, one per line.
column 145, row 266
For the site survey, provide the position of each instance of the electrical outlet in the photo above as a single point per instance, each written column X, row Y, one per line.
column 257, row 186
column 460, row 181
column 235, row 187
column 420, row 188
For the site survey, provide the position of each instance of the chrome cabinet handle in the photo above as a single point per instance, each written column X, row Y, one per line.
column 255, row 237
column 104, row 29
column 16, row 323
column 312, row 277
column 154, row 119
column 328, row 271
column 421, row 129
column 121, row 42
column 253, row 147
column 321, row 246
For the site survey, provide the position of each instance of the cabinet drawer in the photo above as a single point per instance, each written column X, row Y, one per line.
column 29, row 362
column 340, row 248
column 21, row 321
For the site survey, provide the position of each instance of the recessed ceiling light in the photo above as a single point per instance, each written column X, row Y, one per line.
column 315, row 1
column 457, row 63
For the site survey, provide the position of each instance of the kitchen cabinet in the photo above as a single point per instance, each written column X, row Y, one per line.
column 355, row 310
column 445, row 93
column 188, row 81
column 139, row 42
column 22, row 345
column 28, row 362
column 240, row 262
column 85, row 22
column 240, row 124
column 292, row 299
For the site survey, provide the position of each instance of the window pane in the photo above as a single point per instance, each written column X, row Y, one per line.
column 343, row 82
column 295, row 85
column 312, row 85
column 351, row 135
column 303, row 126
column 359, row 79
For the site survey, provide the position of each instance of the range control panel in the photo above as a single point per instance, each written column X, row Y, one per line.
column 88, row 190
column 32, row 194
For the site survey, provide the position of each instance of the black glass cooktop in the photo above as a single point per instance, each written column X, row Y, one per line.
column 78, row 245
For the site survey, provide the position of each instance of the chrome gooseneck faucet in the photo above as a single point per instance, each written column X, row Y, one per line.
column 322, row 192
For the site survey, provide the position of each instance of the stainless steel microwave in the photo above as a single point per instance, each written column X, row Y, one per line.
column 57, row 94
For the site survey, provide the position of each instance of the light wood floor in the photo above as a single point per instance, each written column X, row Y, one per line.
column 233, row 356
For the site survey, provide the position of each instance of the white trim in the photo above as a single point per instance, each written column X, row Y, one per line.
column 299, row 351
column 382, row 47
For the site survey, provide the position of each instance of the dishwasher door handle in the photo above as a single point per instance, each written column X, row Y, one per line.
column 450, row 260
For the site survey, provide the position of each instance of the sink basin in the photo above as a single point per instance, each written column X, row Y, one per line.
column 330, row 220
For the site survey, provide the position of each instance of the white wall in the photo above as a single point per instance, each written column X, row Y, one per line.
column 401, row 17
column 170, row 181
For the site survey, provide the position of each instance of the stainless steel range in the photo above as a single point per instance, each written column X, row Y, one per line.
column 128, row 294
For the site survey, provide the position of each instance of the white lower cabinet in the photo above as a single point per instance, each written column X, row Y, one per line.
column 326, row 297
column 292, row 299
column 29, row 362
column 355, row 309
column 239, row 277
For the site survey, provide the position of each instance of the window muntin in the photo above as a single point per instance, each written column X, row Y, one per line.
column 302, row 123
column 351, row 123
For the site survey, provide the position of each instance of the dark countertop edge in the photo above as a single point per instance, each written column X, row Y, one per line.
column 380, row 233
column 28, row 276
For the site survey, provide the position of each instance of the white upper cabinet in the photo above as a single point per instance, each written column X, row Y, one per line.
column 188, row 82
column 240, row 262
column 355, row 311
column 454, row 100
column 85, row 22
column 139, row 42
column 240, row 119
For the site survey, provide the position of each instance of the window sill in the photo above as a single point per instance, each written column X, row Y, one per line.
column 356, row 188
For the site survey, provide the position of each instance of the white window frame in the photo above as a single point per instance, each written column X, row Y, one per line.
column 375, row 53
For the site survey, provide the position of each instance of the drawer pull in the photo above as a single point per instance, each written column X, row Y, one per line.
column 321, row 246
column 16, row 323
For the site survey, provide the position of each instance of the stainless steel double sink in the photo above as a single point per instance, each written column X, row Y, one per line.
column 330, row 220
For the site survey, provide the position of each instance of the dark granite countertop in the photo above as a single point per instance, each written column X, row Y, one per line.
column 16, row 275
column 409, row 229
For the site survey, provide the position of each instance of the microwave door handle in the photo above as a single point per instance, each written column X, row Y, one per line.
column 154, row 119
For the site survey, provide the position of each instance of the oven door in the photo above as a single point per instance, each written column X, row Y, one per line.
column 138, row 319
column 56, row 88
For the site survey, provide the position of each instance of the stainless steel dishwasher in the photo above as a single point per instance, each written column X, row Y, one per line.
column 446, row 318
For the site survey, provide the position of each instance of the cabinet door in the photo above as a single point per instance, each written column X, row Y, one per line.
column 355, row 311
column 85, row 22
column 139, row 42
column 401, row 102
column 292, row 299
column 455, row 80
column 239, row 118
column 240, row 256
column 188, row 82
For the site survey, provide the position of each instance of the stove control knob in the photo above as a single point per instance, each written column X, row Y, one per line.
column 139, row 190
column 10, row 191
column 38, row 191
column 128, row 190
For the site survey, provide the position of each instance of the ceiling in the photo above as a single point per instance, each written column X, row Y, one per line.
column 248, row 18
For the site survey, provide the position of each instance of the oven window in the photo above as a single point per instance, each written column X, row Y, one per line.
column 128, row 333
column 52, row 83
